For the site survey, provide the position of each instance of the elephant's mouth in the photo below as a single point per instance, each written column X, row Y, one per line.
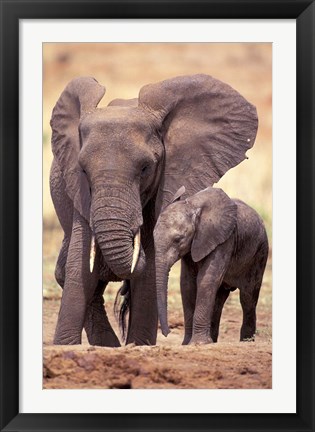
column 136, row 251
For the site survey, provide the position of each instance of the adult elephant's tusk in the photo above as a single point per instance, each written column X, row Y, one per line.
column 136, row 250
column 92, row 253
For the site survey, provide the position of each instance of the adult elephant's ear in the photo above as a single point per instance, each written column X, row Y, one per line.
column 206, row 126
column 80, row 97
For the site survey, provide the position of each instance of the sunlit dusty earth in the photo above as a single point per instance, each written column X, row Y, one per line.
column 123, row 69
column 226, row 364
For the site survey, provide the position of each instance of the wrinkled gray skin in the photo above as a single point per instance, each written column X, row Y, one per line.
column 114, row 169
column 223, row 245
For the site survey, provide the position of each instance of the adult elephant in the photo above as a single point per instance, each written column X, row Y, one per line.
column 115, row 169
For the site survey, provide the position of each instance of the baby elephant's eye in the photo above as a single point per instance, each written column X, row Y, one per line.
column 177, row 239
column 84, row 172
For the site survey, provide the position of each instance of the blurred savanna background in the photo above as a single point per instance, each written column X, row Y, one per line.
column 123, row 68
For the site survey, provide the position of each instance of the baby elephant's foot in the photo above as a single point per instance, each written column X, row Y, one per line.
column 247, row 334
column 200, row 340
column 187, row 336
column 247, row 338
column 186, row 340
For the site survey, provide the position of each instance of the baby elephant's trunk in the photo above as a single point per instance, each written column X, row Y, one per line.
column 162, row 272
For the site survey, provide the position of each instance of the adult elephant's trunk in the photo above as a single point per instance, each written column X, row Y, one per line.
column 116, row 224
column 162, row 275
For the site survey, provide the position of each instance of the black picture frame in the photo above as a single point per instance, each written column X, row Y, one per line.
column 303, row 11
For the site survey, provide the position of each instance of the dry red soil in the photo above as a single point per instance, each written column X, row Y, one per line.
column 226, row 364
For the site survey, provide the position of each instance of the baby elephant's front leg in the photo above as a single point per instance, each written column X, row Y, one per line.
column 202, row 317
column 209, row 280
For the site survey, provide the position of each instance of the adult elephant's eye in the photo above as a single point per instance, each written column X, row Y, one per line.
column 85, row 173
column 145, row 170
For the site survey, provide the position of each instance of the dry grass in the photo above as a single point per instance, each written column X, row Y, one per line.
column 125, row 68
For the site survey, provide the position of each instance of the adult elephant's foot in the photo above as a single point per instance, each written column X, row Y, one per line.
column 68, row 330
column 98, row 329
column 141, row 337
column 106, row 338
column 60, row 339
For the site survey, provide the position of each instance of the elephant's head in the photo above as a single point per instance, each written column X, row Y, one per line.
column 197, row 225
column 120, row 161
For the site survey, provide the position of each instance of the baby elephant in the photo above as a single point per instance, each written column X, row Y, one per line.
column 223, row 245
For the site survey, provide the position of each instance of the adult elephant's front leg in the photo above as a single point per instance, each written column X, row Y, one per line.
column 143, row 318
column 97, row 326
column 79, row 285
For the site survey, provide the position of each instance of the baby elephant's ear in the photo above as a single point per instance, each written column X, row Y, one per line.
column 178, row 194
column 216, row 222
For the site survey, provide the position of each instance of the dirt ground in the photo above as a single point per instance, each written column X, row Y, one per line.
column 124, row 69
column 227, row 364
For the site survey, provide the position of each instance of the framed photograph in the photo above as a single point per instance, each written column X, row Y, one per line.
column 139, row 77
